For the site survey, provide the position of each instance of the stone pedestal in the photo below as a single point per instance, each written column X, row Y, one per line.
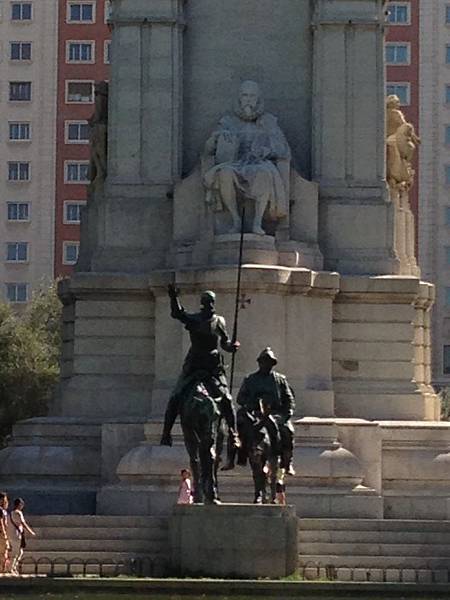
column 381, row 339
column 330, row 480
column 234, row 540
column 416, row 469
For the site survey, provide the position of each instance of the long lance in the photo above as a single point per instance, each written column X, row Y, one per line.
column 238, row 296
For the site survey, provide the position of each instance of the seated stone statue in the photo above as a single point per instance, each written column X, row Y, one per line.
column 248, row 155
column 401, row 144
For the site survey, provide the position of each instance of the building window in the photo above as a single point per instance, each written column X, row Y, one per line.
column 21, row 11
column 81, row 12
column 77, row 132
column 446, row 360
column 70, row 252
column 79, row 92
column 397, row 54
column 447, row 14
column 77, row 172
column 402, row 90
column 17, row 251
column 108, row 11
column 19, row 171
column 19, row 132
column 80, row 52
column 17, row 292
column 18, row 211
column 107, row 52
column 20, row 91
column 399, row 13
column 20, row 50
column 72, row 212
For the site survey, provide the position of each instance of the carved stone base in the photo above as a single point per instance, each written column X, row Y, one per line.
column 257, row 249
column 328, row 481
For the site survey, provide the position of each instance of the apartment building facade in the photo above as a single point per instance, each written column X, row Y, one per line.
column 434, row 210
column 28, row 34
column 83, row 59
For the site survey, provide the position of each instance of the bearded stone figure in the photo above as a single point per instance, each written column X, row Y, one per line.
column 248, row 157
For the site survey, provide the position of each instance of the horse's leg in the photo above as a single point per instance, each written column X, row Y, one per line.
column 207, row 466
column 192, row 447
column 259, row 477
column 273, row 463
column 218, row 447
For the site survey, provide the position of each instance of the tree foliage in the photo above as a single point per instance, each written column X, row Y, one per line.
column 29, row 358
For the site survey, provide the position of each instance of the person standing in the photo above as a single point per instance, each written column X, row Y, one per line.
column 17, row 526
column 185, row 489
column 4, row 540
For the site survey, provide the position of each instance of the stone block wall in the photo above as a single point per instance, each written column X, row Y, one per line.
column 108, row 350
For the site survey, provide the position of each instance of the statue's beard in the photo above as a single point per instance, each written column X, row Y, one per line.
column 249, row 113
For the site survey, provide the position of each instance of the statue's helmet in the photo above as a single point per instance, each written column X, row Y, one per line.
column 267, row 354
column 207, row 298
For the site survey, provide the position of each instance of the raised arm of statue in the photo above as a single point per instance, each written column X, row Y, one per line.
column 176, row 309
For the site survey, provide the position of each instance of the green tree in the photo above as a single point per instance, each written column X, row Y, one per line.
column 29, row 358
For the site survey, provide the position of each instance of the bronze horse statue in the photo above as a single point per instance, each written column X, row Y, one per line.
column 199, row 415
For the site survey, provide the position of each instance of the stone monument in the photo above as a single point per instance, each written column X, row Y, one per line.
column 328, row 263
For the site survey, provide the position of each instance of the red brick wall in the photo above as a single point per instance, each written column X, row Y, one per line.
column 98, row 32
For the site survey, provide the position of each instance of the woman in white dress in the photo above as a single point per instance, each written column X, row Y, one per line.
column 17, row 527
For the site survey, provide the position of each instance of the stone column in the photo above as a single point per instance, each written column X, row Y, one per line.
column 356, row 218
column 132, row 229
column 146, row 93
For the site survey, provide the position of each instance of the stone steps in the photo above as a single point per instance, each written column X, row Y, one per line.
column 375, row 562
column 386, row 550
column 373, row 537
column 98, row 533
column 129, row 544
column 96, row 540
column 96, row 521
column 373, row 525
column 374, row 544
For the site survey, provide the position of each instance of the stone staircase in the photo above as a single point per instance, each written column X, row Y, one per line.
column 343, row 549
column 393, row 546
column 110, row 541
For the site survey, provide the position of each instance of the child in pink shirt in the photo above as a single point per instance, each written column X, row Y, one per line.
column 185, row 489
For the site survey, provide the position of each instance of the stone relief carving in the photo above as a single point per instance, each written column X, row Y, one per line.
column 99, row 135
column 402, row 142
column 248, row 157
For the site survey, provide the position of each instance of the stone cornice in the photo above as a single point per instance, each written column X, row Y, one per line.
column 268, row 279
column 149, row 21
